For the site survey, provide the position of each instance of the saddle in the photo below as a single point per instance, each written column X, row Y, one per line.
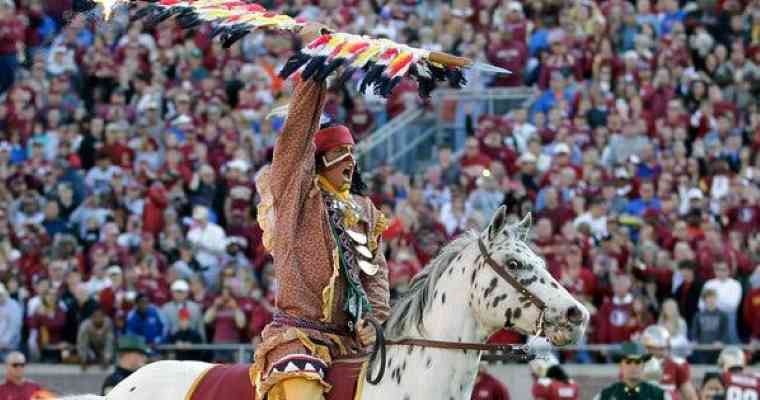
column 234, row 382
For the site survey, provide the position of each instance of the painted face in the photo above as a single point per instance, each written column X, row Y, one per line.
column 338, row 167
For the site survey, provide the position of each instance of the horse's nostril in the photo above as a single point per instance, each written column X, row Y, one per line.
column 574, row 315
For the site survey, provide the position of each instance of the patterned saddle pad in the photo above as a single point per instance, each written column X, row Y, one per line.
column 234, row 382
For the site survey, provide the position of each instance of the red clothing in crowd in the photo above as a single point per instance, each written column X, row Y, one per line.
column 489, row 388
column 153, row 211
column 675, row 372
column 744, row 219
column 112, row 300
column 511, row 55
column 51, row 327
column 550, row 389
column 480, row 160
column 225, row 330
column 24, row 391
column 741, row 385
column 559, row 216
column 615, row 323
column 540, row 388
column 156, row 289
column 11, row 32
column 750, row 311
column 583, row 284
column 257, row 315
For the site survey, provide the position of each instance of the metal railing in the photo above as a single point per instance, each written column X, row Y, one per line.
column 411, row 140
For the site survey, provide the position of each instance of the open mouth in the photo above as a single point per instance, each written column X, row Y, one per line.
column 347, row 173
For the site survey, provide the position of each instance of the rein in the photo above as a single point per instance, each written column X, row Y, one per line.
column 516, row 352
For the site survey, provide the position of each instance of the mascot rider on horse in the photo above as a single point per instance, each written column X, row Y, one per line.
column 324, row 236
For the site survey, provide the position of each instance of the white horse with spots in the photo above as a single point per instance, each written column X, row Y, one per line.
column 479, row 284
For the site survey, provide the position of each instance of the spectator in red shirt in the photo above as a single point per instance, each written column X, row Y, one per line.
column 16, row 386
column 473, row 161
column 615, row 319
column 575, row 277
column 554, row 209
column 558, row 385
column 12, row 45
column 153, row 210
column 487, row 387
column 227, row 320
column 47, row 326
column 509, row 52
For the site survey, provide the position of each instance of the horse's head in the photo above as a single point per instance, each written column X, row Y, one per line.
column 512, row 288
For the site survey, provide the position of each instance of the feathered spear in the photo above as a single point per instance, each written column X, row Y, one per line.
column 383, row 61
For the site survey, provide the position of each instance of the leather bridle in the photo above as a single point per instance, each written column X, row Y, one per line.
column 517, row 352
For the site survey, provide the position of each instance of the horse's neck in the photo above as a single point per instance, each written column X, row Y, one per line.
column 449, row 318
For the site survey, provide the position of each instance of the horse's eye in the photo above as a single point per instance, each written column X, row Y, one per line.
column 513, row 264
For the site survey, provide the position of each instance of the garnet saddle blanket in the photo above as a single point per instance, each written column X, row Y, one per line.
column 223, row 382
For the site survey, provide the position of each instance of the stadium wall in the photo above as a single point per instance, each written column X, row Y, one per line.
column 65, row 379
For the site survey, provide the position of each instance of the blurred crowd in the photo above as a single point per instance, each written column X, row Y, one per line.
column 128, row 154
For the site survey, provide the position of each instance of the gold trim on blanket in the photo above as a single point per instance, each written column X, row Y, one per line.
column 198, row 381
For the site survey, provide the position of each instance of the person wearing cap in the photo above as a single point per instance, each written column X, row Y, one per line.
column 186, row 335
column 132, row 355
column 739, row 381
column 631, row 384
column 10, row 323
column 181, row 304
column 328, row 260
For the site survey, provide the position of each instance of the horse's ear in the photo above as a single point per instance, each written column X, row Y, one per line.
column 522, row 229
column 498, row 221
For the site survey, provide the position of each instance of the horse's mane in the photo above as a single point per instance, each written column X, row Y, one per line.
column 411, row 307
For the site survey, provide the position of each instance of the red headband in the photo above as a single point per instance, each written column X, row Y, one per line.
column 332, row 137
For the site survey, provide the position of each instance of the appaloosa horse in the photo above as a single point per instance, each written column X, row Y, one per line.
column 479, row 284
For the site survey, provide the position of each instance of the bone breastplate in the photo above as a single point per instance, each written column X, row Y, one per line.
column 350, row 224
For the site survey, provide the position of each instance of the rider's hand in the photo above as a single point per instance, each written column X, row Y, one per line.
column 366, row 333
